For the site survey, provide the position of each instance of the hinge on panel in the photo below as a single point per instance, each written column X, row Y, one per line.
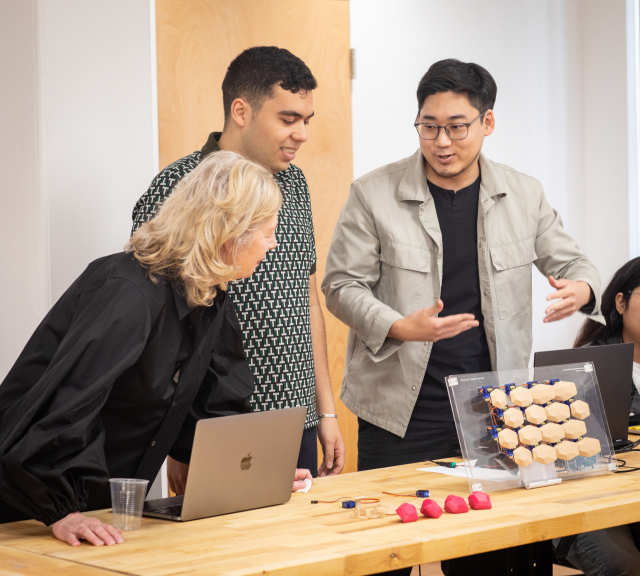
column 352, row 60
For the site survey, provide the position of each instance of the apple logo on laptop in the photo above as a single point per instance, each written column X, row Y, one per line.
column 245, row 463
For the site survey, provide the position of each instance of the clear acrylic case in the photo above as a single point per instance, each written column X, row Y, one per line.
column 496, row 431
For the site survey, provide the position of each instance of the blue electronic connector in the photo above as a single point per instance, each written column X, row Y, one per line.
column 531, row 384
column 552, row 381
column 422, row 493
column 485, row 391
column 508, row 387
column 494, row 431
column 349, row 504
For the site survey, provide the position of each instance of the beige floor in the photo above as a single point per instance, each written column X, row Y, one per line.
column 434, row 570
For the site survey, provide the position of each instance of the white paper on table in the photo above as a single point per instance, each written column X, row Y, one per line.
column 478, row 473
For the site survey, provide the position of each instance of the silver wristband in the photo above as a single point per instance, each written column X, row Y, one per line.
column 327, row 415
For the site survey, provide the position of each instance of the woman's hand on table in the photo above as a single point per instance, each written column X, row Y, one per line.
column 74, row 527
column 298, row 479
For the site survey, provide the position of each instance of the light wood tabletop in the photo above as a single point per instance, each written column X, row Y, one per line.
column 322, row 539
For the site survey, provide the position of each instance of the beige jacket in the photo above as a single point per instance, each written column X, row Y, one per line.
column 385, row 261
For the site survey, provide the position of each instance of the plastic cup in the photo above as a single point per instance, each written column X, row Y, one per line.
column 127, row 500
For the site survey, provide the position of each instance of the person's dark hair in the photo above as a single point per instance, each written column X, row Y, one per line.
column 625, row 280
column 462, row 78
column 253, row 73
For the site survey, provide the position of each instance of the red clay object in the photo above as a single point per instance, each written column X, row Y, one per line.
column 431, row 509
column 455, row 505
column 407, row 512
column 479, row 501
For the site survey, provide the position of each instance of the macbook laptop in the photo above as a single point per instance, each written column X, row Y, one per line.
column 614, row 369
column 237, row 463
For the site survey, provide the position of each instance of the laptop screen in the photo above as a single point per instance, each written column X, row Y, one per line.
column 614, row 369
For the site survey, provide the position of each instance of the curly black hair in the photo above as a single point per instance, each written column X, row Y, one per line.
column 462, row 78
column 253, row 73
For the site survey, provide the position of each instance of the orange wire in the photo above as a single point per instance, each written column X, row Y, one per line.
column 401, row 495
column 362, row 500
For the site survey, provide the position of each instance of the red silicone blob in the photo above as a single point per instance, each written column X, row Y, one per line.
column 455, row 505
column 479, row 501
column 431, row 509
column 407, row 512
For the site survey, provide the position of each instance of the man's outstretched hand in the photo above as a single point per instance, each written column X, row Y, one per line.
column 573, row 295
column 424, row 326
column 74, row 527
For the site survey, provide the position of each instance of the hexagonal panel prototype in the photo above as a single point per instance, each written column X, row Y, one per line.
column 513, row 418
column 498, row 398
column 574, row 429
column 542, row 393
column 535, row 414
column 508, row 439
column 552, row 433
column 530, row 435
column 567, row 450
column 580, row 409
column 589, row 446
column 522, row 456
column 557, row 412
column 544, row 454
column 564, row 390
column 521, row 396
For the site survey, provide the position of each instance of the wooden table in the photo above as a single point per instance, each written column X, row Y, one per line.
column 321, row 539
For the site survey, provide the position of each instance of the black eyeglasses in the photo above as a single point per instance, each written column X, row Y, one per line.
column 455, row 130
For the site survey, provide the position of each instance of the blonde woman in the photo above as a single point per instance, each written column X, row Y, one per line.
column 142, row 345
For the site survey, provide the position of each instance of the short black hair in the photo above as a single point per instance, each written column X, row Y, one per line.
column 252, row 74
column 462, row 78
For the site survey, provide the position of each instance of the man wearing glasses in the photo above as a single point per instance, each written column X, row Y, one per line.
column 430, row 267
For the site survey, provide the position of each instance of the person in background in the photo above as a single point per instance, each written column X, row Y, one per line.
column 613, row 551
column 267, row 96
column 143, row 344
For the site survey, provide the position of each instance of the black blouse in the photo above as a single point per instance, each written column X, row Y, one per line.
column 96, row 392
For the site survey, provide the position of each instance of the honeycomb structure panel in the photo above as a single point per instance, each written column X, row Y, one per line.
column 521, row 396
column 552, row 433
column 513, row 418
column 544, row 454
column 567, row 450
column 542, row 393
column 508, row 439
column 574, row 429
column 580, row 410
column 589, row 447
column 530, row 435
column 535, row 414
column 498, row 399
column 522, row 456
column 564, row 390
column 558, row 412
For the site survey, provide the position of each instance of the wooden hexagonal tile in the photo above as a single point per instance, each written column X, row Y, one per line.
column 567, row 450
column 535, row 414
column 588, row 446
column 564, row 390
column 558, row 412
column 522, row 456
column 530, row 435
column 552, row 433
column 498, row 399
column 574, row 429
column 542, row 393
column 513, row 418
column 544, row 454
column 521, row 396
column 508, row 439
column 580, row 409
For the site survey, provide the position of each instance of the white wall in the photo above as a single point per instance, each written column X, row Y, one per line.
column 561, row 106
column 78, row 145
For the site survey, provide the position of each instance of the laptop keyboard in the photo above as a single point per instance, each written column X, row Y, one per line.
column 168, row 510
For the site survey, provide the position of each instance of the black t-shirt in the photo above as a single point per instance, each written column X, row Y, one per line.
column 467, row 352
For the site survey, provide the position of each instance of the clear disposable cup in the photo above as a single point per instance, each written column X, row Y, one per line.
column 127, row 500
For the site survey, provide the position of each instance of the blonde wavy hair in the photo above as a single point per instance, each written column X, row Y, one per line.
column 227, row 198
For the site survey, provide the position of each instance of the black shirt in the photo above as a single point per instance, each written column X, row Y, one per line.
column 467, row 352
column 95, row 393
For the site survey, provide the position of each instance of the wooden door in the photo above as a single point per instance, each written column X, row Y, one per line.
column 197, row 39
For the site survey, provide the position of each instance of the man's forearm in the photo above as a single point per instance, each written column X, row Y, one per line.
column 325, row 404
